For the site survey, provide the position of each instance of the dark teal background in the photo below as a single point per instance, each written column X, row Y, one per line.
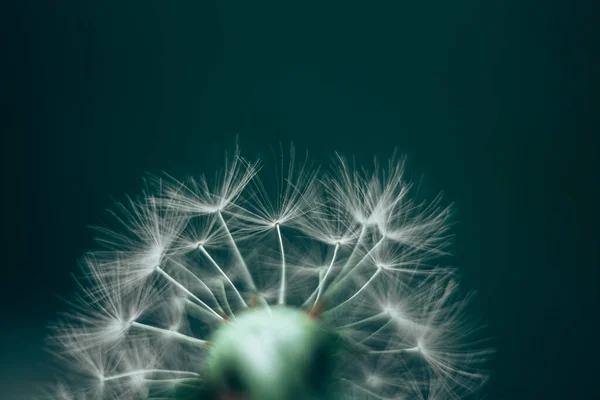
column 493, row 102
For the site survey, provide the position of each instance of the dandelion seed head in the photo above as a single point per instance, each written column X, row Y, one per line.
column 318, row 284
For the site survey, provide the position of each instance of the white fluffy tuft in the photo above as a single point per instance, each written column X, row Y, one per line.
column 189, row 256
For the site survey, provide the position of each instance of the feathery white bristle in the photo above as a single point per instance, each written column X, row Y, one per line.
column 187, row 257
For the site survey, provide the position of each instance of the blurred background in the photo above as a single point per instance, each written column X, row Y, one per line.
column 494, row 103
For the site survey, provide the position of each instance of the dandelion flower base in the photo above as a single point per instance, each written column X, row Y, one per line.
column 272, row 354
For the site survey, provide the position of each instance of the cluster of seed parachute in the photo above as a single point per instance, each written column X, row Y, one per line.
column 347, row 244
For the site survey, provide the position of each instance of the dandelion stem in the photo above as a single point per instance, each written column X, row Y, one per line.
column 361, row 236
column 227, row 305
column 213, row 262
column 415, row 349
column 362, row 321
column 197, row 308
column 282, row 288
column 184, row 289
column 341, row 275
column 341, row 278
column 167, row 332
column 236, row 249
column 150, row 371
column 376, row 331
column 367, row 254
column 169, row 381
column 200, row 281
column 367, row 391
column 322, row 283
column 245, row 268
column 363, row 287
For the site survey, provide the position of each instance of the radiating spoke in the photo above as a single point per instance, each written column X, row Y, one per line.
column 283, row 285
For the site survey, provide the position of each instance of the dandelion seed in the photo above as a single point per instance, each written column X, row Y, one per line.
column 326, row 287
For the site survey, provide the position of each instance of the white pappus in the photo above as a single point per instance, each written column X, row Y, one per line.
column 323, row 284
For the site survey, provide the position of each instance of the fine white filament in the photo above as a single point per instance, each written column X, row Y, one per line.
column 189, row 256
